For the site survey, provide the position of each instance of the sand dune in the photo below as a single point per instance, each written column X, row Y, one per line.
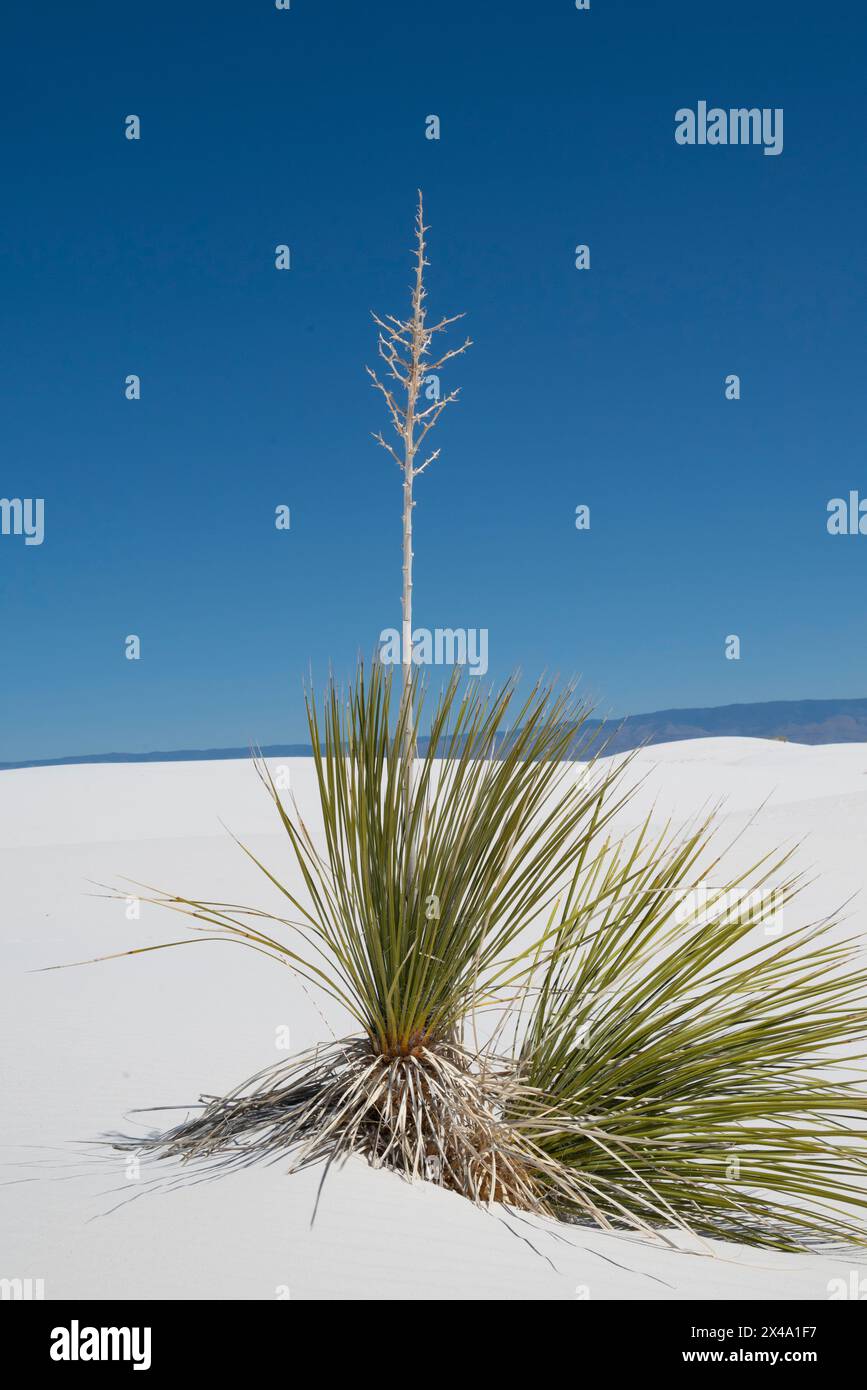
column 83, row 1047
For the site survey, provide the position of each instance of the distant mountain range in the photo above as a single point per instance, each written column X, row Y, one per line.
column 799, row 721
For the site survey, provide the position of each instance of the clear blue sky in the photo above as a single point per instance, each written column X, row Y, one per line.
column 602, row 387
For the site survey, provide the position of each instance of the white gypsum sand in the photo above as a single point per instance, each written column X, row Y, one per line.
column 84, row 1047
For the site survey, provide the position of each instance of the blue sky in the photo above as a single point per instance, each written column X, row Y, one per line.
column 602, row 387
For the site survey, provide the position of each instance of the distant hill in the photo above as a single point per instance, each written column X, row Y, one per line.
column 799, row 721
column 175, row 755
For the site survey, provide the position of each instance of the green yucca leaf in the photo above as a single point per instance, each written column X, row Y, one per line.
column 709, row 1061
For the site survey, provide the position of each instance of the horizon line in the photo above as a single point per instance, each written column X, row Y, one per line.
column 306, row 749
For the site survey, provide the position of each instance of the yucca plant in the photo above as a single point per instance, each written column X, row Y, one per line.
column 419, row 925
